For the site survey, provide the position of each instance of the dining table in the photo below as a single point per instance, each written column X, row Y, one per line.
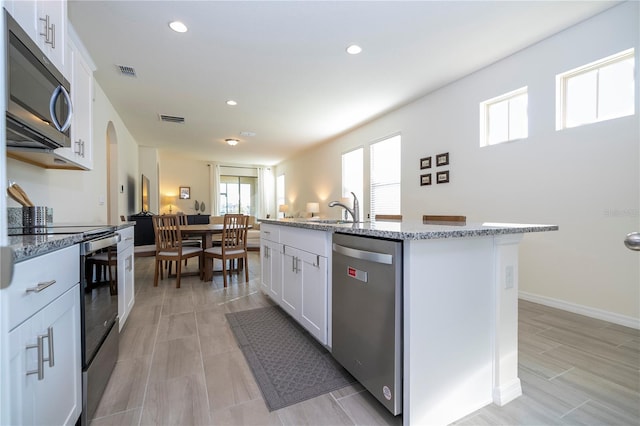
column 206, row 232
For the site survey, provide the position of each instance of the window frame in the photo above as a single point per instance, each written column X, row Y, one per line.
column 485, row 116
column 563, row 78
column 372, row 213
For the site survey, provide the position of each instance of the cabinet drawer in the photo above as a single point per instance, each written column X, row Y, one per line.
column 310, row 240
column 61, row 266
column 126, row 238
column 270, row 232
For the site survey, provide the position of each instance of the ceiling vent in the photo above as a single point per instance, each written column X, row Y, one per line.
column 127, row 70
column 171, row 119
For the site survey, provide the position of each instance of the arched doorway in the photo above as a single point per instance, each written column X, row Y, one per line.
column 112, row 174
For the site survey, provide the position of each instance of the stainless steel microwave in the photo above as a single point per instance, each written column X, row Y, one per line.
column 38, row 102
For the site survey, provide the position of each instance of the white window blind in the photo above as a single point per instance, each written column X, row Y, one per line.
column 385, row 177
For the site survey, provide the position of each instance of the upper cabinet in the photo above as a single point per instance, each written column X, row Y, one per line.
column 81, row 79
column 46, row 23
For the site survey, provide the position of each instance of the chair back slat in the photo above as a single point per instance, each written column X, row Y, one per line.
column 234, row 232
column 168, row 235
column 182, row 219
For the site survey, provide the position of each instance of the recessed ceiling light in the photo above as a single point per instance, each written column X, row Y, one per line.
column 231, row 102
column 354, row 49
column 232, row 142
column 178, row 27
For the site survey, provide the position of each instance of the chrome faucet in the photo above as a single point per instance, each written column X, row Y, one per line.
column 354, row 212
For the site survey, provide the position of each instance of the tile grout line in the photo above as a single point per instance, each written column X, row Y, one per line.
column 153, row 353
column 204, row 375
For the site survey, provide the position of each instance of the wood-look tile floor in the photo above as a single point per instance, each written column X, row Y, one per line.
column 179, row 364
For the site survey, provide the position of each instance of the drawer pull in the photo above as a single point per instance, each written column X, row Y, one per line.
column 41, row 286
column 41, row 359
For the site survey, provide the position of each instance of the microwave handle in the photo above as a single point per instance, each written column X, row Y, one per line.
column 52, row 108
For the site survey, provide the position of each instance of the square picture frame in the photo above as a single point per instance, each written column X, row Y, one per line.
column 442, row 159
column 425, row 163
column 442, row 177
column 425, row 179
column 185, row 192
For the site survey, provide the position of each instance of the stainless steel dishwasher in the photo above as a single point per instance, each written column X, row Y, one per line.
column 367, row 314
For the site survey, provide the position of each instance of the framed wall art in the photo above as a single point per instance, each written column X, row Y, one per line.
column 185, row 192
column 442, row 177
column 425, row 179
column 425, row 163
column 442, row 159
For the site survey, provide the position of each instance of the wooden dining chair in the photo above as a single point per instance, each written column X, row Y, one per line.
column 169, row 247
column 188, row 241
column 233, row 245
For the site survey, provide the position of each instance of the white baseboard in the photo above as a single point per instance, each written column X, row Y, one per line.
column 582, row 310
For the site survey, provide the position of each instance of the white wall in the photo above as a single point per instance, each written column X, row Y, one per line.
column 176, row 171
column 80, row 196
column 585, row 179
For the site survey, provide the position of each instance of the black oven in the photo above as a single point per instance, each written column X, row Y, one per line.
column 99, row 316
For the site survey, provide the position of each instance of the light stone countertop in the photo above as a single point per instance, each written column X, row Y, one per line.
column 413, row 230
column 27, row 246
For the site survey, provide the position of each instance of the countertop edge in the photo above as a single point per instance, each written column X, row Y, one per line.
column 395, row 230
column 25, row 247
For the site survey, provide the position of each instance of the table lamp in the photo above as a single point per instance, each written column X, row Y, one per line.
column 283, row 208
column 313, row 208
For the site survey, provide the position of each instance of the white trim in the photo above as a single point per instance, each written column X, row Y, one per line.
column 600, row 314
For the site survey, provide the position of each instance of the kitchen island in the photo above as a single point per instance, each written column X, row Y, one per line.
column 459, row 308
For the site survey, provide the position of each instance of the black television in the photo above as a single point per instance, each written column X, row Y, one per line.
column 145, row 194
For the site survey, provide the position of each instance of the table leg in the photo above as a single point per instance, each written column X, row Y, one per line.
column 208, row 261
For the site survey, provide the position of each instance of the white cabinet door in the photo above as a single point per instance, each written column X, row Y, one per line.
column 291, row 282
column 313, row 310
column 81, row 78
column 52, row 30
column 126, row 285
column 275, row 283
column 265, row 266
column 55, row 397
column 45, row 21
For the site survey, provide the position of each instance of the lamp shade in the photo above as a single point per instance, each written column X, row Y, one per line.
column 283, row 208
column 313, row 207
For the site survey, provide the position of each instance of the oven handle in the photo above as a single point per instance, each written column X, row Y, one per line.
column 95, row 245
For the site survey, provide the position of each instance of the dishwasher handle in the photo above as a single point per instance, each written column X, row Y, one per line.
column 369, row 256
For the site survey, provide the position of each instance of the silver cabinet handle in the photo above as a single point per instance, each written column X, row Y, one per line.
column 40, row 369
column 370, row 256
column 41, row 359
column 60, row 90
column 633, row 241
column 49, row 336
column 41, row 286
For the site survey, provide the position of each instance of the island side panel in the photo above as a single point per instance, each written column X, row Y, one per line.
column 448, row 328
column 506, row 385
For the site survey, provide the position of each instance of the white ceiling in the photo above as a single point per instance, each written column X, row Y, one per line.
column 285, row 63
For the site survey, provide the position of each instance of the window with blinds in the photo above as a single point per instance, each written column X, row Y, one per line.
column 385, row 177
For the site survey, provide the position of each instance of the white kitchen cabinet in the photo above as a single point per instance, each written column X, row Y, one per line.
column 81, row 78
column 126, row 285
column 297, row 265
column 272, row 269
column 45, row 21
column 42, row 304
column 271, row 263
column 304, row 289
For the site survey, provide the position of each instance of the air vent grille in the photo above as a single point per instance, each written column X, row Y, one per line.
column 171, row 119
column 127, row 70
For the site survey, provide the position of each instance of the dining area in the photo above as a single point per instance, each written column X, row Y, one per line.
column 177, row 241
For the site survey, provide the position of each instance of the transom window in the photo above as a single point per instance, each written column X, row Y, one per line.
column 599, row 91
column 504, row 118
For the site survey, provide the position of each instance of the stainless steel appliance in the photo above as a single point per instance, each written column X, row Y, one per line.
column 367, row 314
column 39, row 106
column 98, row 312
